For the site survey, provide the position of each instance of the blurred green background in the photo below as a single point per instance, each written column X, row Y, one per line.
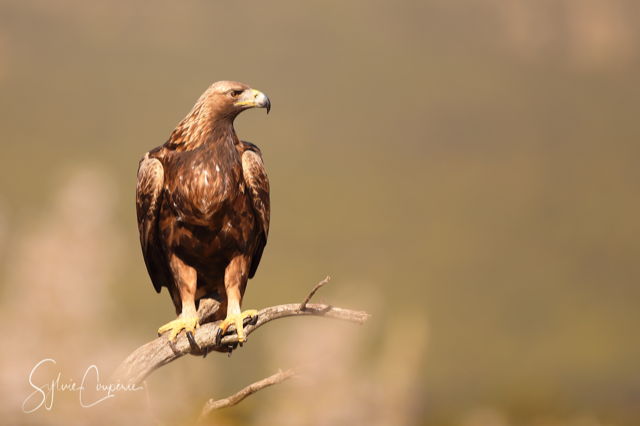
column 466, row 171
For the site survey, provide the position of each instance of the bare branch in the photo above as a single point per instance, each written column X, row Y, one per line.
column 152, row 355
column 212, row 404
column 156, row 353
column 303, row 305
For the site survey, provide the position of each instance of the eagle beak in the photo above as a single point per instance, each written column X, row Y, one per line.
column 253, row 98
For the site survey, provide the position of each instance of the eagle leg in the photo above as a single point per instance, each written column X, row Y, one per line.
column 186, row 282
column 235, row 281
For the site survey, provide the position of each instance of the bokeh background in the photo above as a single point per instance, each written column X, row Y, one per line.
column 465, row 171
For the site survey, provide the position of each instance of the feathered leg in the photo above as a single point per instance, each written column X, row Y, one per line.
column 186, row 279
column 235, row 281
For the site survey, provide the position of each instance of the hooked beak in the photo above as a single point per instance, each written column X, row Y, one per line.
column 253, row 98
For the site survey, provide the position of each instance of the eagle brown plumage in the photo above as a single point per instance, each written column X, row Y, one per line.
column 202, row 202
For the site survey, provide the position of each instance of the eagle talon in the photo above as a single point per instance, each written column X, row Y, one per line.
column 177, row 325
column 192, row 340
column 219, row 334
column 237, row 320
column 218, row 341
column 253, row 320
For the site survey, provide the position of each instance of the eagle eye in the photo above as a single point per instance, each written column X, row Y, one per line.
column 235, row 93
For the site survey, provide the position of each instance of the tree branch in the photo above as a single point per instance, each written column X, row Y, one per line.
column 303, row 305
column 212, row 404
column 158, row 352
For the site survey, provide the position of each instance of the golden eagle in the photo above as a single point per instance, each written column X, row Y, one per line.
column 202, row 202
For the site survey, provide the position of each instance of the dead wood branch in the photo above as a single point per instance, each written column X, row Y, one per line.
column 303, row 305
column 212, row 404
column 158, row 352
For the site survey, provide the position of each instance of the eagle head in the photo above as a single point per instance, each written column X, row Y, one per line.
column 230, row 98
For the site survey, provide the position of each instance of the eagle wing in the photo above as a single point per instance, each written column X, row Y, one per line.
column 148, row 201
column 257, row 182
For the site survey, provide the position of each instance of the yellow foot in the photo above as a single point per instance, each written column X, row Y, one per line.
column 177, row 325
column 237, row 320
